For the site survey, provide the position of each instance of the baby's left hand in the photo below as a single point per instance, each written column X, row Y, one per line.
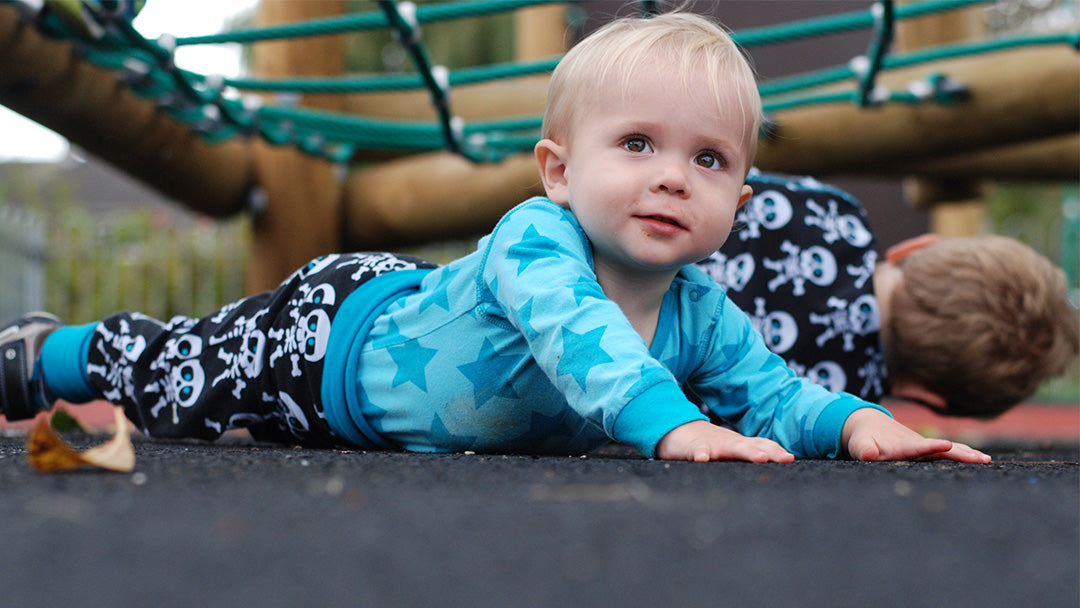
column 870, row 434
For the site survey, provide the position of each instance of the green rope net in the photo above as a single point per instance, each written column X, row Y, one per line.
column 217, row 107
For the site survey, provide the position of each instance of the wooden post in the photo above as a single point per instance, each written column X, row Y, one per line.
column 302, row 217
column 1018, row 97
column 956, row 207
column 435, row 196
column 540, row 32
column 46, row 81
column 439, row 195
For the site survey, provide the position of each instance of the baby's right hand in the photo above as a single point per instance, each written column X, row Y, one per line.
column 703, row 441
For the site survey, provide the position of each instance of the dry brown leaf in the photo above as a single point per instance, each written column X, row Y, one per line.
column 50, row 453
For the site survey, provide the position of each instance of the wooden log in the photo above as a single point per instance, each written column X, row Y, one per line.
column 539, row 32
column 441, row 196
column 1016, row 96
column 431, row 197
column 45, row 81
column 1050, row 159
column 428, row 197
column 956, row 205
column 302, row 216
column 957, row 217
column 486, row 101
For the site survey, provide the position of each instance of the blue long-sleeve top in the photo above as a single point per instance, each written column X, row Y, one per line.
column 515, row 348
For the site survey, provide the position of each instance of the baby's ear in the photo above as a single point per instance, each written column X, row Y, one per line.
column 916, row 392
column 745, row 195
column 551, row 158
column 900, row 250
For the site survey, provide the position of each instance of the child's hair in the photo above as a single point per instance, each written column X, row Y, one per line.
column 981, row 321
column 620, row 48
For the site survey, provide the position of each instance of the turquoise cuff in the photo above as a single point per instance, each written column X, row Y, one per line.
column 829, row 427
column 64, row 356
column 654, row 413
column 341, row 393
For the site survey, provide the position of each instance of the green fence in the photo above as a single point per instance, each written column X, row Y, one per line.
column 142, row 261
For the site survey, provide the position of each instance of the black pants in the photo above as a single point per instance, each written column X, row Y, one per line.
column 255, row 364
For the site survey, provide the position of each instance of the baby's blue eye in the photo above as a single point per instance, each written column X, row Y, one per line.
column 637, row 144
column 708, row 160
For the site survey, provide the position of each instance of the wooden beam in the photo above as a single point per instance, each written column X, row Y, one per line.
column 45, row 81
column 539, row 32
column 1050, row 159
column 1016, row 96
column 431, row 197
column 955, row 205
column 1021, row 119
column 485, row 101
column 478, row 102
column 302, row 216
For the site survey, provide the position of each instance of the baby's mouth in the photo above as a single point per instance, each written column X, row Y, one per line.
column 664, row 219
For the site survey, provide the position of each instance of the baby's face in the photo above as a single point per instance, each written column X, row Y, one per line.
column 656, row 172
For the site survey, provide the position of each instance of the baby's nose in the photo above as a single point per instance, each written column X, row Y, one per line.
column 672, row 179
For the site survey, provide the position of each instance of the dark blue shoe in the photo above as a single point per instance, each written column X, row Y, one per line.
column 20, row 345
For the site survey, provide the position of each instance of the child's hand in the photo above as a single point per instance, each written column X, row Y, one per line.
column 703, row 441
column 870, row 434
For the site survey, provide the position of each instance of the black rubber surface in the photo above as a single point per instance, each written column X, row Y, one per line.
column 242, row 525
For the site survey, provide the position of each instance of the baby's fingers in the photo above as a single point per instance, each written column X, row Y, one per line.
column 751, row 449
column 871, row 448
column 756, row 449
column 963, row 453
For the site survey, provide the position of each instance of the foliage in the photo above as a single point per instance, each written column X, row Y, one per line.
column 454, row 44
column 1045, row 217
column 142, row 260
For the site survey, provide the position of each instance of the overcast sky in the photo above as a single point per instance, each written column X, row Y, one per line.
column 22, row 139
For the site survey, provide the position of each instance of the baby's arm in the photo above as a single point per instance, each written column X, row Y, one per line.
column 703, row 441
column 870, row 434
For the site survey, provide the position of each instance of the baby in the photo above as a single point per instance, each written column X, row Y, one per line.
column 577, row 321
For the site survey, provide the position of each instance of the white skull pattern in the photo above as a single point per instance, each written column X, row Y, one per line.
column 848, row 320
column 187, row 383
column 835, row 226
column 118, row 372
column 770, row 209
column 308, row 336
column 815, row 264
column 828, row 374
column 312, row 334
column 731, row 273
column 183, row 377
column 777, row 327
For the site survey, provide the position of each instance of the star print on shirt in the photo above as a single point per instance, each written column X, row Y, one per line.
column 531, row 248
column 411, row 359
column 393, row 335
column 439, row 296
column 487, row 384
column 525, row 315
column 586, row 288
column 684, row 355
column 581, row 353
column 646, row 379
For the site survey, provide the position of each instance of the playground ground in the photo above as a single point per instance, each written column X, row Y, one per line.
column 236, row 524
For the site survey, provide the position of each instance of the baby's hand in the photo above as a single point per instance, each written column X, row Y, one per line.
column 870, row 434
column 702, row 441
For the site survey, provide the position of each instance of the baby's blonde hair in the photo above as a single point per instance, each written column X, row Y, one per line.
column 618, row 49
column 981, row 321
